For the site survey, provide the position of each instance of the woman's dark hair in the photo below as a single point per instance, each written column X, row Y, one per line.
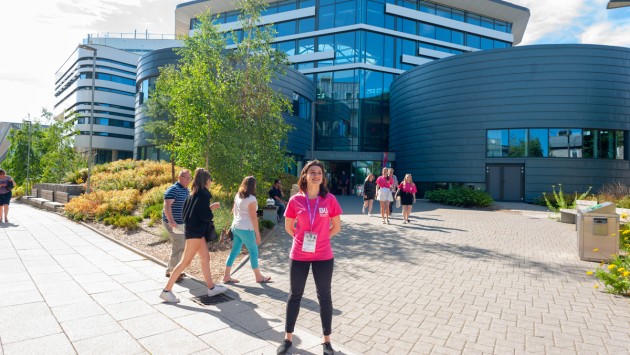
column 2, row 171
column 323, row 187
column 248, row 187
column 199, row 181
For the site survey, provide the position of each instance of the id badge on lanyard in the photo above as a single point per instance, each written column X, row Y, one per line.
column 310, row 238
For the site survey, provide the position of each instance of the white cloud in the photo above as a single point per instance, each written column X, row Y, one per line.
column 607, row 33
column 549, row 17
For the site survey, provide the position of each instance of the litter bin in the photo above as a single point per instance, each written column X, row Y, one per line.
column 598, row 228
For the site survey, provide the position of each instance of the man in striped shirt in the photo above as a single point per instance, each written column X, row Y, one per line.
column 172, row 219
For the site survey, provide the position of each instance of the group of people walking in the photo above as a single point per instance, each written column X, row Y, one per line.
column 312, row 218
column 386, row 189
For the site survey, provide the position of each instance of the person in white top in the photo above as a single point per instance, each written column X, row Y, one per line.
column 245, row 230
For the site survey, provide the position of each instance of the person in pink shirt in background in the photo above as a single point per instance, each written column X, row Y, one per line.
column 407, row 192
column 312, row 218
column 384, row 193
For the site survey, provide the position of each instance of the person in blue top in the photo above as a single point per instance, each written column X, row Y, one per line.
column 172, row 220
column 6, row 185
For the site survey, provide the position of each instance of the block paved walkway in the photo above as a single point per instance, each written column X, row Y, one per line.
column 456, row 281
column 67, row 289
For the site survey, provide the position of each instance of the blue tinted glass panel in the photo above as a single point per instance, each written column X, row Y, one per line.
column 325, row 43
column 443, row 11
column 473, row 19
column 285, row 28
column 307, row 24
column 457, row 37
column 427, row 30
column 538, row 143
column 409, row 47
column 287, row 6
column 487, row 22
column 518, row 143
column 287, row 47
column 497, row 145
column 306, row 3
column 457, row 15
column 387, row 81
column 345, row 83
column 442, row 34
column 345, row 52
column 567, row 143
column 375, row 14
column 487, row 43
column 231, row 17
column 409, row 26
column 500, row 44
column 326, row 18
column 389, row 60
column 427, row 45
column 345, row 14
column 409, row 4
column 326, row 2
column 473, row 41
column 372, row 84
column 374, row 48
column 305, row 65
column 427, row 7
column 390, row 22
column 306, row 45
column 500, row 26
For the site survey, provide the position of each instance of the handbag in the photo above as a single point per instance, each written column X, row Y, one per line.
column 397, row 201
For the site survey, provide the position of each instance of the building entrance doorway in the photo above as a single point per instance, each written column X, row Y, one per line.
column 340, row 174
column 505, row 182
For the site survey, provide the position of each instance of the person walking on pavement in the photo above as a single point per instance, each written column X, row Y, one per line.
column 6, row 187
column 276, row 194
column 343, row 183
column 394, row 189
column 172, row 219
column 384, row 194
column 318, row 217
column 369, row 192
column 197, row 226
column 407, row 191
column 245, row 230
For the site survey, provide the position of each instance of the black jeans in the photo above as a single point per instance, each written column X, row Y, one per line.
column 322, row 273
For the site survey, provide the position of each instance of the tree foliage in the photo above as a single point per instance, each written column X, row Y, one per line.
column 219, row 110
column 52, row 153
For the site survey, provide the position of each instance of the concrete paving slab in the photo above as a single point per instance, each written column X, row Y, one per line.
column 148, row 325
column 51, row 344
column 178, row 341
column 75, row 311
column 113, row 343
column 233, row 340
column 203, row 322
column 90, row 327
column 127, row 310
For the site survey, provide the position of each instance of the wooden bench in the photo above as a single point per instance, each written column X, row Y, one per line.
column 569, row 215
column 47, row 195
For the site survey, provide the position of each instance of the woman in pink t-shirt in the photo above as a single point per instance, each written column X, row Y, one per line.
column 312, row 218
column 407, row 192
column 384, row 193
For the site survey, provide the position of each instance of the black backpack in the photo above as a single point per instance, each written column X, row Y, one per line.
column 189, row 207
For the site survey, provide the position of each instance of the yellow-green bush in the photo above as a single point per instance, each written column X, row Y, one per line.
column 122, row 221
column 101, row 204
column 142, row 175
column 154, row 195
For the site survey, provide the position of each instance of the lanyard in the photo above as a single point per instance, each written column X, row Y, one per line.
column 311, row 216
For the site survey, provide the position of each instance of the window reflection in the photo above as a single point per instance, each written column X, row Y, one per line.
column 517, row 143
column 497, row 143
column 537, row 143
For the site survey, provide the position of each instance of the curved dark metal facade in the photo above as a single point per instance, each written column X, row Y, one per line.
column 441, row 113
column 292, row 82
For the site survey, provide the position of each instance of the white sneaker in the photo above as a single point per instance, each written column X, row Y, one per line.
column 363, row 210
column 369, row 214
column 169, row 296
column 217, row 289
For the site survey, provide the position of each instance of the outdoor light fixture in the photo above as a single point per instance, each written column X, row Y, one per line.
column 613, row 4
column 89, row 172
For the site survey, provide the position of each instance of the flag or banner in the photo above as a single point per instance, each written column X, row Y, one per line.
column 385, row 159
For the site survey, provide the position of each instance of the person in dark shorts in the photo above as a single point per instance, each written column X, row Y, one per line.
column 407, row 191
column 6, row 185
column 369, row 192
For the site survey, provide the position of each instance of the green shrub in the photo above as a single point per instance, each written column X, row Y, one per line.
column 460, row 197
column 559, row 200
column 153, row 213
column 623, row 203
column 18, row 191
column 122, row 221
column 265, row 224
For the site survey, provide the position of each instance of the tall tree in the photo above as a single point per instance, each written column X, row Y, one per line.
column 223, row 114
column 43, row 151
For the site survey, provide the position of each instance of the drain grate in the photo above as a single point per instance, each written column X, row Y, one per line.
column 206, row 300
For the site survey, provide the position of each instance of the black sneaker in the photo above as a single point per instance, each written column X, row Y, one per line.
column 284, row 347
column 328, row 350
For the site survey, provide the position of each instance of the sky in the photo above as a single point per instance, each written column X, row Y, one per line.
column 39, row 35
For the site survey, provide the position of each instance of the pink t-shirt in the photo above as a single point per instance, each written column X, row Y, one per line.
column 383, row 182
column 297, row 209
column 411, row 188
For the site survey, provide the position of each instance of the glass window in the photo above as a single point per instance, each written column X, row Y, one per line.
column 497, row 143
column 442, row 34
column 599, row 144
column 566, row 143
column 326, row 2
column 345, row 14
column 306, row 45
column 387, row 82
column 427, row 30
column 305, row 65
column 374, row 48
column 457, row 37
column 287, row 6
column 517, row 143
column 307, row 24
column 375, row 14
column 390, row 22
column 487, row 22
column 372, row 84
column 326, row 18
column 427, row 7
column 306, row 3
column 409, row 47
column 409, row 26
column 231, row 17
column 487, row 43
column 389, row 53
column 409, row 4
column 538, row 143
column 620, row 145
column 500, row 26
column 473, row 19
column 285, row 28
column 345, row 48
column 500, row 44
column 473, row 41
column 325, row 43
column 443, row 11
column 457, row 15
column 287, row 47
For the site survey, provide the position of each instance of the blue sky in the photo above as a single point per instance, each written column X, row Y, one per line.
column 39, row 35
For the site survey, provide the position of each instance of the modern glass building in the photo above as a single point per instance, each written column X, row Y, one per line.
column 354, row 49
